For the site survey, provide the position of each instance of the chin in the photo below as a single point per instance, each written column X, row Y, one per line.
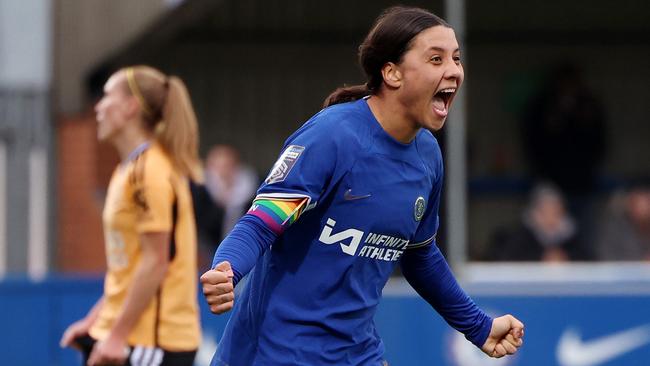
column 102, row 136
column 435, row 125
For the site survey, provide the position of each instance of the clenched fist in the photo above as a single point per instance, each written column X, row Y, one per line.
column 218, row 288
column 506, row 336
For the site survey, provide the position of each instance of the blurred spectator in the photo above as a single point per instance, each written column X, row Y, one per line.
column 625, row 230
column 564, row 141
column 564, row 132
column 546, row 232
column 230, row 183
column 209, row 217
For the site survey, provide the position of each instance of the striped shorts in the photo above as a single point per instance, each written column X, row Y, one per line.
column 142, row 356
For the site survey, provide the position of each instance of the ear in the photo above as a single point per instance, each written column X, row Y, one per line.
column 131, row 106
column 392, row 75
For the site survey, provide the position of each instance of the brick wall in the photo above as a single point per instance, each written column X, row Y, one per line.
column 84, row 169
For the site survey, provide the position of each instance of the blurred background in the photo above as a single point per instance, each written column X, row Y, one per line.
column 547, row 194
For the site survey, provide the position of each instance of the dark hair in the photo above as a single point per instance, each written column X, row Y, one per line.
column 390, row 37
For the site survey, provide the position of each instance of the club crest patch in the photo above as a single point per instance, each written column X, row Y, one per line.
column 419, row 208
column 285, row 162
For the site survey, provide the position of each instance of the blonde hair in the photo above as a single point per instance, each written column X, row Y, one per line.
column 167, row 111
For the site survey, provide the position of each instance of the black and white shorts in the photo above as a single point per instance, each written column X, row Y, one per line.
column 141, row 356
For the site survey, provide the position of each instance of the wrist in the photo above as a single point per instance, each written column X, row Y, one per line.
column 117, row 335
column 482, row 333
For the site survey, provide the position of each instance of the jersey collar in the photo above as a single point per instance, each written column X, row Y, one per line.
column 136, row 152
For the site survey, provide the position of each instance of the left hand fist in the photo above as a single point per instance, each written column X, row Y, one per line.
column 506, row 336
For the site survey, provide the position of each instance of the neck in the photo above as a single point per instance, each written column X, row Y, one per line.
column 392, row 119
column 127, row 141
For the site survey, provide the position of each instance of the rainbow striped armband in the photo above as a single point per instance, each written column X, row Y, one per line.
column 278, row 211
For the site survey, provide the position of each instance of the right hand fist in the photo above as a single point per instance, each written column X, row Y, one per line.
column 218, row 289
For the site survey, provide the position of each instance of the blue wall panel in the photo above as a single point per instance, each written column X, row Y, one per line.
column 603, row 330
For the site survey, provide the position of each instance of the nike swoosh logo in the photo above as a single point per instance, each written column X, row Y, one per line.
column 348, row 196
column 572, row 351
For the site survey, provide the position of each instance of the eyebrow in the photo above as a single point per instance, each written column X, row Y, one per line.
column 440, row 49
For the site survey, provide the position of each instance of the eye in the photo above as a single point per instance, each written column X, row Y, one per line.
column 457, row 59
column 436, row 59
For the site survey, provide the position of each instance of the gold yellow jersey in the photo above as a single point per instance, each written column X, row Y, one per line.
column 145, row 195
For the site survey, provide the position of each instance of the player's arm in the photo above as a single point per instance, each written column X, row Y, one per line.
column 298, row 178
column 153, row 199
column 148, row 277
column 244, row 245
column 428, row 272
column 81, row 326
column 235, row 257
column 426, row 269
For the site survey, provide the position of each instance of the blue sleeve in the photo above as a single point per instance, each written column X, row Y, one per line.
column 306, row 164
column 300, row 176
column 428, row 272
column 244, row 245
column 296, row 182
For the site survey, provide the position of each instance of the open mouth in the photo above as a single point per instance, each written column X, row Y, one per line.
column 442, row 99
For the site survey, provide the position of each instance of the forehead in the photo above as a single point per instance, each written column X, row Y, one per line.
column 439, row 37
column 113, row 82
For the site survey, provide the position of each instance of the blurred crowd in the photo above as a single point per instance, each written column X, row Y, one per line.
column 548, row 231
column 563, row 134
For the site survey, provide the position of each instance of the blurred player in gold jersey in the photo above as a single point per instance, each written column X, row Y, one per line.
column 148, row 314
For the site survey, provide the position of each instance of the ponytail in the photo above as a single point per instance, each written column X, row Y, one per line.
column 167, row 111
column 178, row 131
column 390, row 37
column 346, row 94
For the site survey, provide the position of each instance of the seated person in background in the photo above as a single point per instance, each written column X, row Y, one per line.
column 225, row 196
column 231, row 184
column 625, row 229
column 546, row 232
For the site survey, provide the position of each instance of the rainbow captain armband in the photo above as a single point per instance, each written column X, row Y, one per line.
column 279, row 211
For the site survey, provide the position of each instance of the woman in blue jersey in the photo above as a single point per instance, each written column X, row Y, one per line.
column 354, row 193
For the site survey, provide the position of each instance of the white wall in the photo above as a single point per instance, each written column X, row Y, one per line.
column 25, row 53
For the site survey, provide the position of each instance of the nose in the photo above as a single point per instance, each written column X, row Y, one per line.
column 454, row 71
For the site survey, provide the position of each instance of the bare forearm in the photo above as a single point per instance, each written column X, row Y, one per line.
column 146, row 282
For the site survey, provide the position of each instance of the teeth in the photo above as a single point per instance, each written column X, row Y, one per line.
column 448, row 90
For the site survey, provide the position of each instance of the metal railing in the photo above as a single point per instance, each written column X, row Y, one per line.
column 25, row 143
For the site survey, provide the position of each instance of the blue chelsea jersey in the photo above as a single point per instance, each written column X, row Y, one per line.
column 311, row 298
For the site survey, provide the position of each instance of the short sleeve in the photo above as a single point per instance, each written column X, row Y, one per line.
column 153, row 197
column 428, row 228
column 298, row 178
column 305, row 165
